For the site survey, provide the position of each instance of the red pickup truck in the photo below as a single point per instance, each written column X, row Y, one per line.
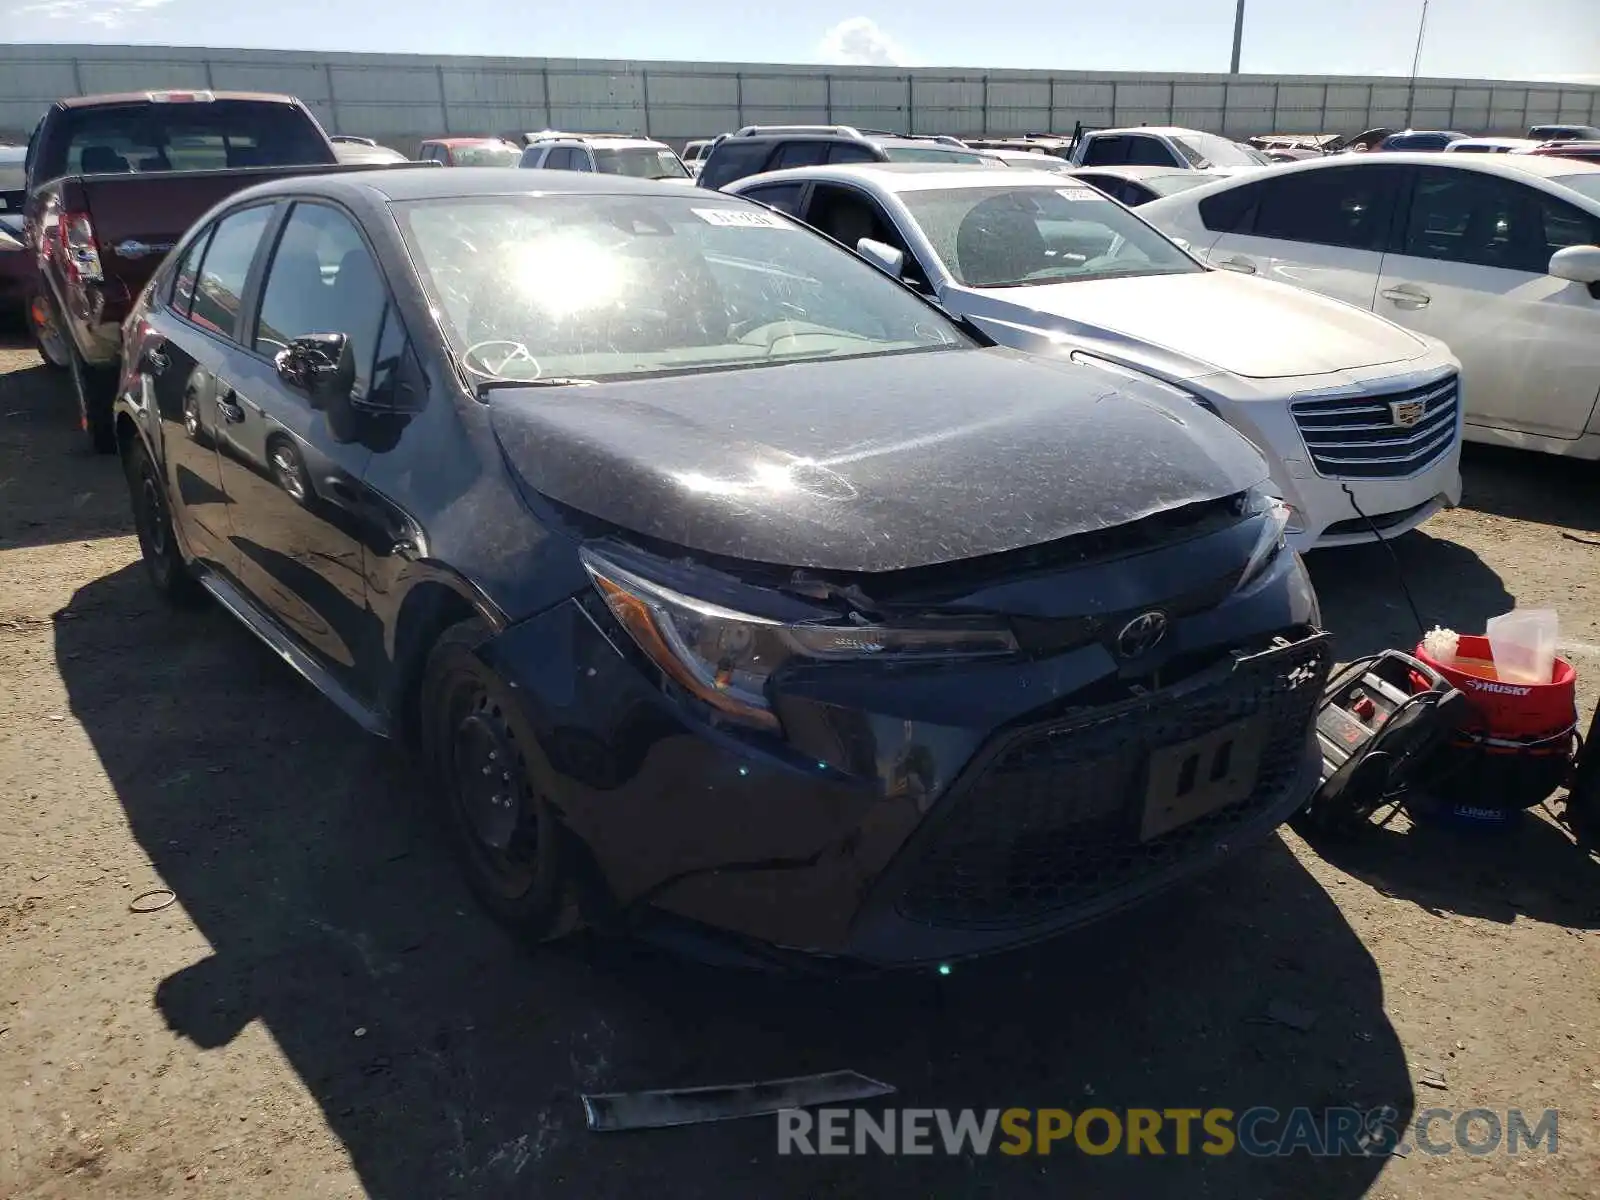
column 113, row 182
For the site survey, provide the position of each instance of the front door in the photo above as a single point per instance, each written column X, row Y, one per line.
column 1322, row 229
column 1473, row 269
column 291, row 469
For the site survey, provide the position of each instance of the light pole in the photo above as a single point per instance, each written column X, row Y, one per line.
column 1238, row 37
column 1416, row 63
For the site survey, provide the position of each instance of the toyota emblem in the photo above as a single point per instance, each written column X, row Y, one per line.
column 1141, row 635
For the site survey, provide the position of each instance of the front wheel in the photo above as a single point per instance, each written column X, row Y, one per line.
column 158, row 545
column 486, row 781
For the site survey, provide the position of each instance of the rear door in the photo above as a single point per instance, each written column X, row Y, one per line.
column 195, row 331
column 1472, row 267
column 292, row 470
column 1323, row 229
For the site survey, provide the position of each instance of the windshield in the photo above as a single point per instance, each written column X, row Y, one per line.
column 1015, row 236
column 1207, row 150
column 1587, row 184
column 485, row 154
column 1178, row 181
column 579, row 288
column 642, row 162
column 934, row 154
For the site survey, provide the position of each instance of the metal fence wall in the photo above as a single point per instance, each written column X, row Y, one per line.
column 400, row 99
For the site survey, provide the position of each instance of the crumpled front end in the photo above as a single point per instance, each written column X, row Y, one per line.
column 899, row 813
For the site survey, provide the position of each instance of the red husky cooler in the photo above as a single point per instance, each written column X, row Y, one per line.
column 1516, row 745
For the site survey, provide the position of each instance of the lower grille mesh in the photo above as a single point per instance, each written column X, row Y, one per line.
column 1053, row 820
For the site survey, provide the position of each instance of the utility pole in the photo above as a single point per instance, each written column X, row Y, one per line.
column 1416, row 64
column 1238, row 37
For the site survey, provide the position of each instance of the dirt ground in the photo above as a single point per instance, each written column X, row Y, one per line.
column 322, row 1012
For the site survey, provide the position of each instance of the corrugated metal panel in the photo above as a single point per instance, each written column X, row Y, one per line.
column 1095, row 96
column 1201, row 97
column 594, row 119
column 1018, row 120
column 521, row 89
column 308, row 81
column 691, row 90
column 948, row 93
column 490, row 120
column 1246, row 95
column 108, row 75
column 38, row 82
column 386, row 120
column 1140, row 116
column 1296, row 97
column 780, row 116
column 767, row 91
column 680, row 124
column 1349, row 97
column 950, row 119
column 1391, row 97
column 1434, row 98
column 576, row 89
column 866, row 118
column 870, row 93
column 1018, row 95
column 405, row 86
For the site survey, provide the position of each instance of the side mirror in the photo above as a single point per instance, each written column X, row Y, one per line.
column 320, row 365
column 1580, row 264
column 886, row 258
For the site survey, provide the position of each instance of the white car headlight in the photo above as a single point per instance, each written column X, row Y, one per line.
column 725, row 657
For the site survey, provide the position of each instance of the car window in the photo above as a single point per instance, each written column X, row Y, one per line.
column 202, row 136
column 1350, row 207
column 1015, row 236
column 783, row 196
column 322, row 280
column 800, row 154
column 578, row 159
column 1107, row 151
column 1232, row 210
column 1471, row 217
column 851, row 152
column 1150, row 152
column 487, row 154
column 596, row 287
column 188, row 271
column 1206, row 150
column 226, row 267
column 640, row 162
column 847, row 216
column 934, row 154
column 1566, row 225
column 733, row 159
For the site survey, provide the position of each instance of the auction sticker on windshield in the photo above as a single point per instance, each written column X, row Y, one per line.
column 1078, row 193
column 738, row 218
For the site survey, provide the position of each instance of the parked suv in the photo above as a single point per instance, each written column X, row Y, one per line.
column 758, row 148
column 605, row 154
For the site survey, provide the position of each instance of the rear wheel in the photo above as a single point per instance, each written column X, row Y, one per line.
column 486, row 781
column 158, row 544
column 46, row 333
column 95, row 388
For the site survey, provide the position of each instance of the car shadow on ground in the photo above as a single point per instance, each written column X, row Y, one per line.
column 1364, row 603
column 305, row 856
column 52, row 489
column 1526, row 486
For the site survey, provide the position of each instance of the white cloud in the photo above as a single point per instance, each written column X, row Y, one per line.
column 858, row 41
column 108, row 14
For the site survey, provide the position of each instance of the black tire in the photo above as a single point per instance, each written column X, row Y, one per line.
column 163, row 560
column 95, row 388
column 485, row 776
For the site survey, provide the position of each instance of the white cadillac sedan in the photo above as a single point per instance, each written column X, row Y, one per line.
column 1360, row 419
column 1496, row 254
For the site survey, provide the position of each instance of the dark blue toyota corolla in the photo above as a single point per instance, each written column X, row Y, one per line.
column 717, row 581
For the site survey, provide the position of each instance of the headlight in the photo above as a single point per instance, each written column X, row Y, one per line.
column 1274, row 515
column 725, row 657
column 1083, row 358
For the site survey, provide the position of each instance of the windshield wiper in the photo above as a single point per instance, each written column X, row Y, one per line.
column 542, row 381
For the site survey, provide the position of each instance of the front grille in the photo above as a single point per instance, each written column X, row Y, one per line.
column 1053, row 820
column 1356, row 437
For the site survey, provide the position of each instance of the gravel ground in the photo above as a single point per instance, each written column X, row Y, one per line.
column 322, row 1012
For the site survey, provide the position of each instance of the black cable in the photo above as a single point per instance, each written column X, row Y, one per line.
column 1399, row 572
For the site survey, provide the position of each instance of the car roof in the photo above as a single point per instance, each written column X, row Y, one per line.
column 1511, row 166
column 112, row 98
column 912, row 177
column 463, row 141
column 404, row 183
column 1165, row 130
column 603, row 143
column 1134, row 171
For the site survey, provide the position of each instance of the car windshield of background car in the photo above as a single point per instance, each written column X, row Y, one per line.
column 593, row 287
column 641, row 163
column 1016, row 236
column 487, row 154
column 933, row 154
column 1205, row 150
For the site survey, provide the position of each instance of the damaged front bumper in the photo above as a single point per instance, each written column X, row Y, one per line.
column 923, row 814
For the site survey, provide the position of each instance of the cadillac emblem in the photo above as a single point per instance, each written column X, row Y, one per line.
column 1406, row 413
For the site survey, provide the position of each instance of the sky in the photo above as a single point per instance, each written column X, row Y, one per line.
column 1493, row 39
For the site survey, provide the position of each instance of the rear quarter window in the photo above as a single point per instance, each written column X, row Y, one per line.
column 1232, row 211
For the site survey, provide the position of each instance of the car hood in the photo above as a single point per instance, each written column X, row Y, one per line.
column 1251, row 327
column 871, row 464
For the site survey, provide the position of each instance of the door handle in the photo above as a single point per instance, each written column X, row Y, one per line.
column 1242, row 265
column 230, row 412
column 1406, row 296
